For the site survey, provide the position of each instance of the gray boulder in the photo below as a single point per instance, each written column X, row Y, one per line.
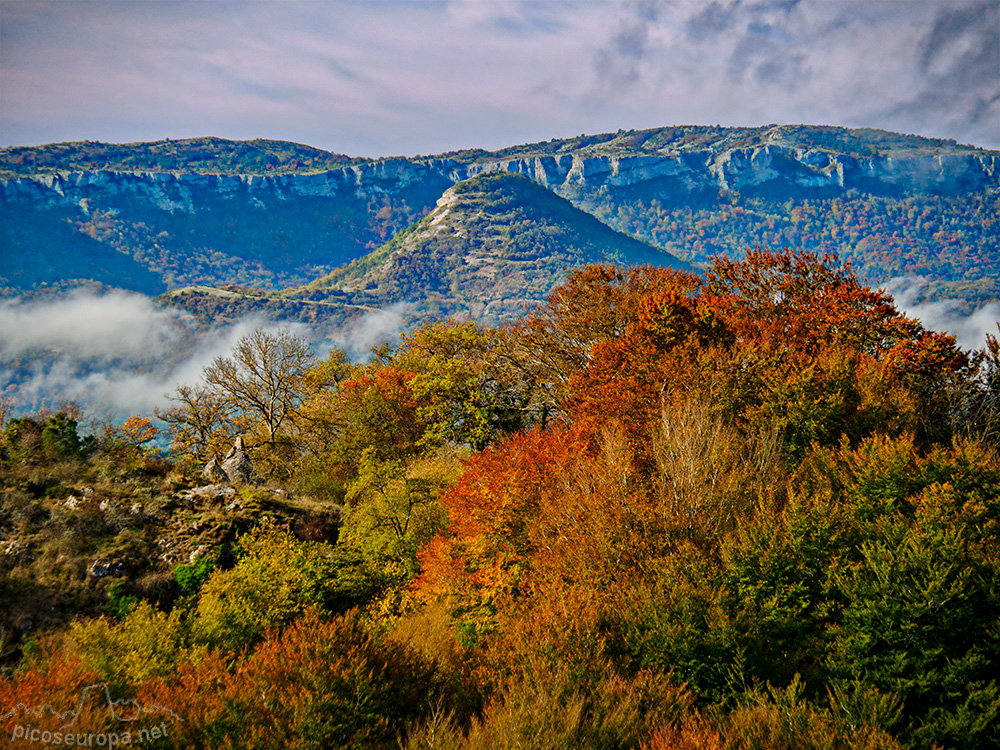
column 212, row 493
column 237, row 465
column 213, row 472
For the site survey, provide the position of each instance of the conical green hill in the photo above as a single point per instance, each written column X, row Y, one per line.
column 493, row 245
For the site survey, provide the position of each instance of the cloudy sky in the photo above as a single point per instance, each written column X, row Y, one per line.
column 407, row 77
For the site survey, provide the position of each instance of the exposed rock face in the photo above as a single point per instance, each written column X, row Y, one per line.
column 748, row 168
column 213, row 472
column 730, row 168
column 113, row 565
column 237, row 465
column 15, row 553
column 180, row 193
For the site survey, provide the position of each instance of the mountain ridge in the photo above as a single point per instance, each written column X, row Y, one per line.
column 734, row 158
column 266, row 156
column 893, row 204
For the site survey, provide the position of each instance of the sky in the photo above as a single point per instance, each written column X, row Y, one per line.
column 418, row 77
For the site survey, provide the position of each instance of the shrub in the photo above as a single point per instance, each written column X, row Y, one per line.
column 192, row 577
column 322, row 683
column 121, row 601
column 277, row 578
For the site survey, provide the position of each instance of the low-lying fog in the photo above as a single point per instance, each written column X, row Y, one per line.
column 119, row 354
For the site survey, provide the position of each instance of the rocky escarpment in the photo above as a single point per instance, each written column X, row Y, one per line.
column 185, row 193
column 737, row 159
column 159, row 229
column 736, row 169
column 752, row 169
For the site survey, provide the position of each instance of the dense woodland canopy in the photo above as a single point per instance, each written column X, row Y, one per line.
column 759, row 509
column 950, row 241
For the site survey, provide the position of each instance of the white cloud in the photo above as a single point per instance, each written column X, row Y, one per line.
column 82, row 324
column 927, row 66
column 121, row 353
column 114, row 352
column 374, row 328
column 946, row 316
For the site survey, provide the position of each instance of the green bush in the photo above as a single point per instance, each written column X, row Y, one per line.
column 191, row 577
column 121, row 601
column 277, row 578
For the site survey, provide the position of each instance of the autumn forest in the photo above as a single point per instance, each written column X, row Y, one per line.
column 758, row 508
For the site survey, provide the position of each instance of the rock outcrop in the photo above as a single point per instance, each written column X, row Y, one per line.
column 235, row 469
column 217, row 494
column 112, row 565
column 213, row 472
column 237, row 465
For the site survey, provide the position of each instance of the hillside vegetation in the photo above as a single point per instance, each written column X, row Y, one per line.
column 492, row 249
column 951, row 241
column 755, row 509
column 271, row 215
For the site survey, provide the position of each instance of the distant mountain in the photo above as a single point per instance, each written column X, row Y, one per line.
column 270, row 215
column 733, row 157
column 494, row 246
column 190, row 156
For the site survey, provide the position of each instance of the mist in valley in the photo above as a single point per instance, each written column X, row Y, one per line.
column 119, row 353
column 948, row 315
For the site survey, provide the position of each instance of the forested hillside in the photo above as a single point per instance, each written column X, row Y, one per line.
column 270, row 215
column 949, row 240
column 758, row 508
